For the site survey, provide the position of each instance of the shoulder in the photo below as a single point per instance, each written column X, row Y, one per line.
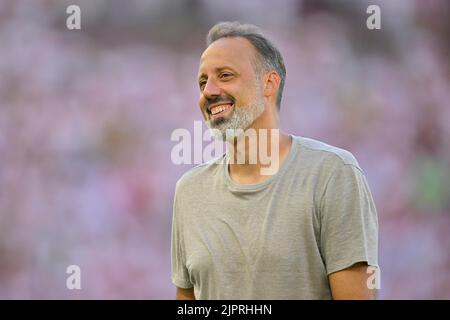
column 321, row 152
column 199, row 175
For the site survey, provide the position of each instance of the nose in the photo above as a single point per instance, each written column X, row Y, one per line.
column 211, row 89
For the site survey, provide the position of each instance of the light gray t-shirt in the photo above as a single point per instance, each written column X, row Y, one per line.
column 279, row 239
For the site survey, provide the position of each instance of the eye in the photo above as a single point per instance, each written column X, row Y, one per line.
column 226, row 75
column 202, row 84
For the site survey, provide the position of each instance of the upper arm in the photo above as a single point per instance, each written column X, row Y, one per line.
column 180, row 273
column 351, row 283
column 348, row 233
column 185, row 294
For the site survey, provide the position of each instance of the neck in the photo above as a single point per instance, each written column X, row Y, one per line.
column 259, row 151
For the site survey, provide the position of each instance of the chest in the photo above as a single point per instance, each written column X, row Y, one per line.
column 250, row 235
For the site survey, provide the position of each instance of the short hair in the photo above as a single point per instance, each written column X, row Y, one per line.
column 269, row 57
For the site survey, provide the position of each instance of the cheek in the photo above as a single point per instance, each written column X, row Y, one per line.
column 201, row 104
column 201, row 101
column 242, row 95
column 251, row 96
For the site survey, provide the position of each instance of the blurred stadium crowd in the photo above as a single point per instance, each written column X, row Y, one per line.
column 86, row 117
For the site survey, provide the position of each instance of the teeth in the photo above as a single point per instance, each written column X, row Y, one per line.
column 216, row 110
column 219, row 109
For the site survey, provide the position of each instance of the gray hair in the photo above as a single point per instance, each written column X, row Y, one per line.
column 269, row 56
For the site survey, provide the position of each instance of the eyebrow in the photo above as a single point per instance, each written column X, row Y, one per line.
column 217, row 70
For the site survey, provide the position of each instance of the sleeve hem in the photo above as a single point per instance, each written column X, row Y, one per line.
column 344, row 265
column 181, row 283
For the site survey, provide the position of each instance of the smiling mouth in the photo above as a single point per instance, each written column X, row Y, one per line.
column 220, row 110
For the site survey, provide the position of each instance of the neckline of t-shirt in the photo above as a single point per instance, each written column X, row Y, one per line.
column 258, row 186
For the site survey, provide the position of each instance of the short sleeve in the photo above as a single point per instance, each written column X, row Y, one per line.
column 180, row 275
column 349, row 223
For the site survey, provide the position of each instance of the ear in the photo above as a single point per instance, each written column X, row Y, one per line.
column 271, row 84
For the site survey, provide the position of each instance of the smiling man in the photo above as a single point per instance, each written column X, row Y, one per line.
column 309, row 230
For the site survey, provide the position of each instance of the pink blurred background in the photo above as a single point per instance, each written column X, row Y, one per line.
column 86, row 117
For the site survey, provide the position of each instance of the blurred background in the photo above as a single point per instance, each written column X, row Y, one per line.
column 86, row 117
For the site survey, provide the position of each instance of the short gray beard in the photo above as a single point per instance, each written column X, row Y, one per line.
column 240, row 120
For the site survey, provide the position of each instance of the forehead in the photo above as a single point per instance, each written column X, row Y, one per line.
column 237, row 53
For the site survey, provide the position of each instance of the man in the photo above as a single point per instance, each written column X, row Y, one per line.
column 308, row 230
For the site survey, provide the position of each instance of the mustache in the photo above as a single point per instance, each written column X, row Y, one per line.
column 218, row 99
